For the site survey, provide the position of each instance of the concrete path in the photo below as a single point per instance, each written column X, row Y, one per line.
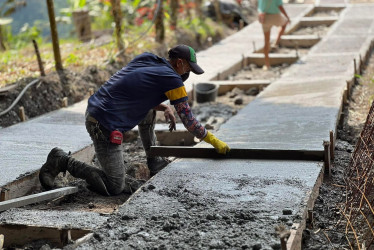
column 196, row 203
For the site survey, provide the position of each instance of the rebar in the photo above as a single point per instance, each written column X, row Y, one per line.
column 359, row 179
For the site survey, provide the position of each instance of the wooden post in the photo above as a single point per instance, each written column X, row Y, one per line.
column 1, row 241
column 326, row 145
column 21, row 113
column 91, row 91
column 332, row 145
column 217, row 10
column 64, row 102
column 40, row 63
column 310, row 218
column 65, row 236
column 54, row 35
column 4, row 194
column 283, row 243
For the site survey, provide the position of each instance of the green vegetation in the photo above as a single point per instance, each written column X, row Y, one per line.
column 138, row 34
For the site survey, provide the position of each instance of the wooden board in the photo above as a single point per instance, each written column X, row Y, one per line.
column 26, row 200
column 267, row 154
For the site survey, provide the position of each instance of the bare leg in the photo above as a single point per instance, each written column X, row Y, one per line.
column 280, row 33
column 267, row 48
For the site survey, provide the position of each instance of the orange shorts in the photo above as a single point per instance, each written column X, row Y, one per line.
column 273, row 20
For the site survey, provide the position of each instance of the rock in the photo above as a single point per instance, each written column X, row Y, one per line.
column 287, row 211
column 252, row 91
column 257, row 246
column 238, row 101
column 139, row 171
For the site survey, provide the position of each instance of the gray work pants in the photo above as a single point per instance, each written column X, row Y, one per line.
column 110, row 155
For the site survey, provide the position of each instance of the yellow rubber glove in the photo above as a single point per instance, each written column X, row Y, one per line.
column 219, row 145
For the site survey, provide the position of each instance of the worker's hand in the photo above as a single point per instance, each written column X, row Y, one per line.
column 169, row 117
column 219, row 145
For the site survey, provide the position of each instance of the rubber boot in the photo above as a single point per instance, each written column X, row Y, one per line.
column 94, row 177
column 148, row 137
column 57, row 162
column 156, row 164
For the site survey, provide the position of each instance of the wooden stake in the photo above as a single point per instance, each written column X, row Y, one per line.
column 1, row 241
column 332, row 145
column 40, row 63
column 91, row 91
column 64, row 102
column 326, row 145
column 310, row 218
column 21, row 113
column 4, row 195
column 283, row 243
column 65, row 236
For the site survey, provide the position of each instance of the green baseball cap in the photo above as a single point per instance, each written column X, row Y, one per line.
column 186, row 52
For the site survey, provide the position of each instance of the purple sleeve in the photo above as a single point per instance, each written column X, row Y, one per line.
column 189, row 121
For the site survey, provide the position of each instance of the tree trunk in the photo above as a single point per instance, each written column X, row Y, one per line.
column 174, row 4
column 54, row 35
column 217, row 10
column 188, row 11
column 117, row 15
column 159, row 24
column 2, row 45
column 82, row 23
column 198, row 11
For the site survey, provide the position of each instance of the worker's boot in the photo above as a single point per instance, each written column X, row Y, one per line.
column 94, row 177
column 57, row 162
column 148, row 137
column 156, row 164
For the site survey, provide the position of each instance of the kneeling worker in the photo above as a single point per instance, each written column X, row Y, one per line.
column 131, row 97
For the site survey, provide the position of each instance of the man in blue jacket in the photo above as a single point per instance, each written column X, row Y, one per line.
column 131, row 97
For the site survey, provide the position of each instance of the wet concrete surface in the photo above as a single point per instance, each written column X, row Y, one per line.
column 204, row 204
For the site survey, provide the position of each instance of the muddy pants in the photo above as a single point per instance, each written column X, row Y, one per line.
column 110, row 155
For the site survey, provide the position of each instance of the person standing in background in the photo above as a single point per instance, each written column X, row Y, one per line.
column 270, row 14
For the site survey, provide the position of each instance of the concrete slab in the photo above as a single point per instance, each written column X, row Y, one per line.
column 322, row 65
column 287, row 115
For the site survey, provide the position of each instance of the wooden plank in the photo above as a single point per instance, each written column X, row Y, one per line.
column 235, row 153
column 19, row 235
column 226, row 86
column 26, row 200
column 275, row 58
column 315, row 21
column 304, row 41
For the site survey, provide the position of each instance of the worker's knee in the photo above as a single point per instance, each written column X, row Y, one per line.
column 115, row 185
